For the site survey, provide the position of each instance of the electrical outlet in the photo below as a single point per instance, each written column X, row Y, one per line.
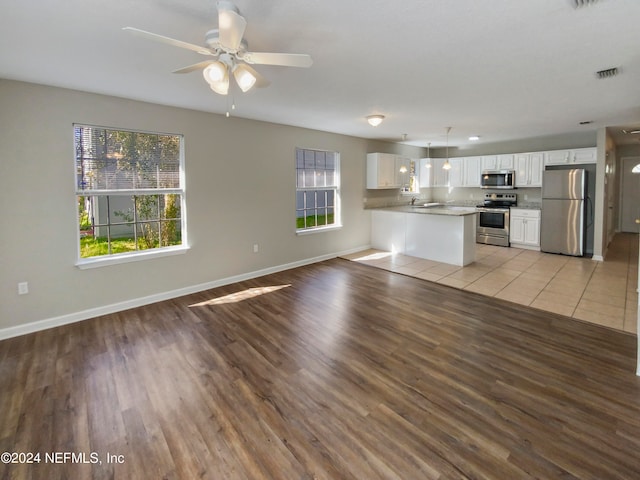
column 23, row 288
column 255, row 248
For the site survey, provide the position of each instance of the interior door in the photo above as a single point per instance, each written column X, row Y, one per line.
column 630, row 194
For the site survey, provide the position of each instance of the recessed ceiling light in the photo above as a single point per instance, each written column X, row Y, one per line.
column 473, row 138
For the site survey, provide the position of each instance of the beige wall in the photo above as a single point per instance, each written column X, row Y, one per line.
column 240, row 183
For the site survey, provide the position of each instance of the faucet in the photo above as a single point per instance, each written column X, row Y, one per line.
column 413, row 200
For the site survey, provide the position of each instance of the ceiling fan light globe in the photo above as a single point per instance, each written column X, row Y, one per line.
column 221, row 87
column 215, row 72
column 244, row 78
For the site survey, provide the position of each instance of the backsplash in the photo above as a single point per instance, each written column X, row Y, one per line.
column 463, row 196
column 474, row 196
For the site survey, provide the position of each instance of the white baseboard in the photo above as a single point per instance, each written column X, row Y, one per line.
column 39, row 325
column 597, row 258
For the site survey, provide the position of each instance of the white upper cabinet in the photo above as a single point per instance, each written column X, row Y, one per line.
column 439, row 176
column 568, row 157
column 465, row 171
column 557, row 157
column 529, row 167
column 456, row 173
column 498, row 162
column 472, row 171
column 585, row 155
column 424, row 172
column 383, row 170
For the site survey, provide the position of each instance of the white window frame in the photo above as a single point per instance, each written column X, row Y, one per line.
column 137, row 255
column 337, row 216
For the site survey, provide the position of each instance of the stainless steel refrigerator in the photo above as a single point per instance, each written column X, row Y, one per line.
column 563, row 206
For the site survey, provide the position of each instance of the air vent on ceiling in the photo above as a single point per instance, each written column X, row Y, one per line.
column 582, row 3
column 608, row 73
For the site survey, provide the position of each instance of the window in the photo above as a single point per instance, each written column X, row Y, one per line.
column 317, row 190
column 130, row 192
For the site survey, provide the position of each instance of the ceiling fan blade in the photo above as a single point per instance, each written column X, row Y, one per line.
column 194, row 67
column 231, row 26
column 261, row 82
column 282, row 59
column 169, row 41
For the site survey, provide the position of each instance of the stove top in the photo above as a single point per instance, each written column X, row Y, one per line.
column 499, row 200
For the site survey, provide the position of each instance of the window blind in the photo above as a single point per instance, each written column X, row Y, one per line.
column 108, row 160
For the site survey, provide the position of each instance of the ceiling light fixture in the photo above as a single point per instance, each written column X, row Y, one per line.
column 447, row 165
column 474, row 138
column 375, row 120
column 217, row 76
column 217, row 73
column 244, row 78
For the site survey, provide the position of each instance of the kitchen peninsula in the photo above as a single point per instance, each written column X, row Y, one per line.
column 438, row 232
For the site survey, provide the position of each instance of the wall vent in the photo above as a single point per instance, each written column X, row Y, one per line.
column 608, row 73
column 582, row 3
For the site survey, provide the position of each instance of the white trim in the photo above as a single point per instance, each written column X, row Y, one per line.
column 307, row 231
column 598, row 258
column 138, row 255
column 39, row 325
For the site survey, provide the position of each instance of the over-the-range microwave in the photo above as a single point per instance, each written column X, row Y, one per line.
column 498, row 179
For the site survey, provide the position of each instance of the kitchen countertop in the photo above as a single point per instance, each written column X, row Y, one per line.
column 529, row 206
column 437, row 209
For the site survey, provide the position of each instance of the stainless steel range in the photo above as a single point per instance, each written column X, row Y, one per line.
column 493, row 218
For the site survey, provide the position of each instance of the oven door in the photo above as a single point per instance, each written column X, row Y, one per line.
column 493, row 226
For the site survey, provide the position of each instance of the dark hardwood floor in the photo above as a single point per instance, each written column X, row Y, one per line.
column 331, row 371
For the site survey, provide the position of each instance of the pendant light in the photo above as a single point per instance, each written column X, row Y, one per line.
column 447, row 165
column 428, row 165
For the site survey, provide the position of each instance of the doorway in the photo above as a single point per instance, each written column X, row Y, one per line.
column 630, row 195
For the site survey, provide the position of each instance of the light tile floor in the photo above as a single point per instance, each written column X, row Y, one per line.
column 599, row 292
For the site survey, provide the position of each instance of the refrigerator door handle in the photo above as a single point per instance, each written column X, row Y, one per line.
column 590, row 212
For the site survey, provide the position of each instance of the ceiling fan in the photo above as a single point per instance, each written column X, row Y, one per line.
column 233, row 58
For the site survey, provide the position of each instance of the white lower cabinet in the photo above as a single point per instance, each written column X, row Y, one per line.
column 524, row 228
column 388, row 230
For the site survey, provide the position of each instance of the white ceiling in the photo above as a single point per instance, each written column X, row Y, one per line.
column 501, row 69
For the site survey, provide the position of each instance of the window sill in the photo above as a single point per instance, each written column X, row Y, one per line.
column 105, row 261
column 309, row 231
